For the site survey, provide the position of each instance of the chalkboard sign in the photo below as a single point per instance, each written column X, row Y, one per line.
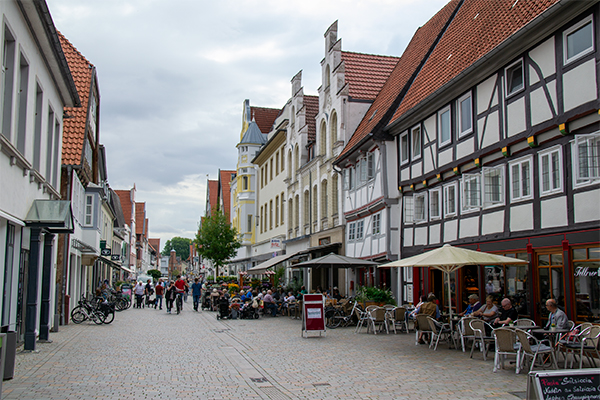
column 581, row 384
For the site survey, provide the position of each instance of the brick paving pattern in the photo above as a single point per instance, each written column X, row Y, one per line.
column 146, row 354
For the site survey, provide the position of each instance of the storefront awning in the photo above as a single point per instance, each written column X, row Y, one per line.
column 54, row 216
column 262, row 268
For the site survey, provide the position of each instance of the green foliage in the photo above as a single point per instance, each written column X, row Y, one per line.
column 155, row 274
column 217, row 240
column 180, row 245
column 375, row 294
column 279, row 277
column 175, row 273
column 227, row 279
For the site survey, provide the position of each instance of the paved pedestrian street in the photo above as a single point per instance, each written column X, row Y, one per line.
column 146, row 354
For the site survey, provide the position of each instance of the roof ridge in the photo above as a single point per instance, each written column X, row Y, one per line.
column 369, row 54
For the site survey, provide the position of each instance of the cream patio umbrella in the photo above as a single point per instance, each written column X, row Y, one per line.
column 449, row 259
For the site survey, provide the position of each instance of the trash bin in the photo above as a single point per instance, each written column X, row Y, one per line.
column 2, row 352
column 9, row 348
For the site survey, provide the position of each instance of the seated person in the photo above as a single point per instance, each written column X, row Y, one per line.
column 336, row 294
column 557, row 316
column 270, row 303
column 488, row 311
column 429, row 308
column 474, row 305
column 507, row 315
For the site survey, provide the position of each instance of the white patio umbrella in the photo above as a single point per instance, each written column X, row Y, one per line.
column 449, row 259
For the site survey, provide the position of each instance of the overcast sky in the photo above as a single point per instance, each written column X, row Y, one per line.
column 173, row 75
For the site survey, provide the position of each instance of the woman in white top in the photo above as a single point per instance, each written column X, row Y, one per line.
column 488, row 311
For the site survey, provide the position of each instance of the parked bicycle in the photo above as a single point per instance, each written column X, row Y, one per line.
column 339, row 315
column 87, row 310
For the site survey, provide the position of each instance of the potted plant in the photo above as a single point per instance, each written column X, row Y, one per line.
column 374, row 296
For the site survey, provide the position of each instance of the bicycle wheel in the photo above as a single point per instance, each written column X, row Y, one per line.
column 78, row 315
column 329, row 316
column 97, row 317
column 337, row 319
column 109, row 317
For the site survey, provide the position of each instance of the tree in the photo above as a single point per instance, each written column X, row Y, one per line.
column 180, row 245
column 217, row 240
column 154, row 273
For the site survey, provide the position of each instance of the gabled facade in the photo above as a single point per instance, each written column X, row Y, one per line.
column 497, row 142
column 141, row 239
column 37, row 85
column 127, row 200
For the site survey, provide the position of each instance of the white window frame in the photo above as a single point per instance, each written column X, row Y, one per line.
column 376, row 225
column 408, row 209
column 548, row 153
column 417, row 198
column 416, row 151
column 464, row 132
column 592, row 157
column 351, row 231
column 351, row 181
column 88, row 211
column 571, row 30
column 370, row 165
column 519, row 179
column 347, row 179
column 435, row 213
column 404, row 158
column 363, row 170
column 506, row 93
column 470, row 181
column 488, row 201
column 360, row 229
column 446, row 196
column 439, row 116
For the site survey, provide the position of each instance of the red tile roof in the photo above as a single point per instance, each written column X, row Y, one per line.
column 479, row 27
column 212, row 195
column 140, row 218
column 74, row 127
column 126, row 205
column 311, row 107
column 393, row 89
column 155, row 243
column 264, row 117
column 225, row 178
column 366, row 73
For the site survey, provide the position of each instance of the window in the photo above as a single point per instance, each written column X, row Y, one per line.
column 8, row 80
column 262, row 177
column 450, row 200
column 271, row 170
column 578, row 40
column 49, row 144
column 351, row 230
column 416, row 142
column 376, row 224
column 434, row 204
column 89, row 209
column 493, row 182
column 471, row 185
column 404, row 148
column 465, row 115
column 347, row 179
column 276, row 163
column 350, row 178
column 282, row 210
column 244, row 183
column 408, row 210
column 276, row 211
column 550, row 171
column 359, row 229
column 370, row 166
column 23, row 83
column 420, row 207
column 587, row 155
column 324, row 199
column 271, row 214
column 586, row 262
column 249, row 226
column 282, row 160
column 444, row 126
column 262, row 218
column 363, row 170
column 37, row 129
column 514, row 78
column 333, row 129
column 520, row 179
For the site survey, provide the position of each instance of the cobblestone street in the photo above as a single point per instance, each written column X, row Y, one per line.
column 150, row 354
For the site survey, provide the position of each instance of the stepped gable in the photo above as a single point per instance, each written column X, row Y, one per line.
column 390, row 94
column 74, row 127
column 478, row 28
column 311, row 104
column 225, row 178
column 264, row 117
column 365, row 74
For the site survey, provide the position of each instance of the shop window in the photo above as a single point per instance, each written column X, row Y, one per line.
column 471, row 187
column 408, row 209
column 376, row 224
column 404, row 148
column 520, row 179
column 550, row 281
column 587, row 158
column 416, row 142
column 578, row 40
column 493, row 181
column 434, row 204
column 586, row 267
column 444, row 126
column 465, row 115
column 551, row 171
column 450, row 200
column 420, row 213
column 514, row 78
column 509, row 281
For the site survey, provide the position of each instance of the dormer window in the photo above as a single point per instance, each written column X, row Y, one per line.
column 514, row 78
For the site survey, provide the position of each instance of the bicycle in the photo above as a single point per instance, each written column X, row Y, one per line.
column 178, row 302
column 340, row 318
column 85, row 310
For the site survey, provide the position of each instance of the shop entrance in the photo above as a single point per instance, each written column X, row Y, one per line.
column 439, row 287
column 551, row 283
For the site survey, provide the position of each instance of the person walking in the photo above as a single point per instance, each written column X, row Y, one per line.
column 170, row 296
column 196, row 292
column 160, row 290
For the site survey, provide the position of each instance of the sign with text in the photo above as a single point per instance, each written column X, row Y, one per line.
column 313, row 314
column 275, row 243
column 564, row 384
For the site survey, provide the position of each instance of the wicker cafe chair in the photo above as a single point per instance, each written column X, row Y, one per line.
column 570, row 337
column 479, row 331
column 397, row 317
column 362, row 317
column 465, row 331
column 586, row 343
column 422, row 325
column 533, row 350
column 524, row 322
column 437, row 331
column 377, row 316
column 506, row 344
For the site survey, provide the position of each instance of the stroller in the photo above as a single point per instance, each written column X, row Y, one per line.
column 206, row 303
column 223, row 309
column 249, row 312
